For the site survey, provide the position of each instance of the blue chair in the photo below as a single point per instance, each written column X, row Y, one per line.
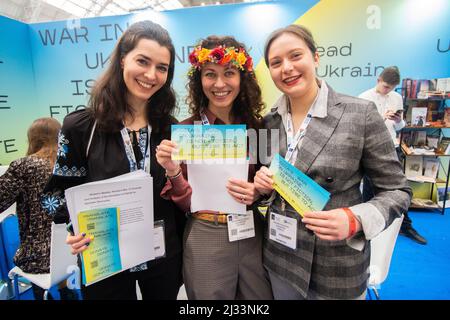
column 62, row 263
column 3, row 266
column 4, row 280
column 10, row 240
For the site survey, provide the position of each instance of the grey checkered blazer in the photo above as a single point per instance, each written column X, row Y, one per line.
column 336, row 151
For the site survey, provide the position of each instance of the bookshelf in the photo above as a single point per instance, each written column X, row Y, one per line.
column 426, row 151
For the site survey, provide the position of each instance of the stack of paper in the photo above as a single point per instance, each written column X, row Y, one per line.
column 118, row 212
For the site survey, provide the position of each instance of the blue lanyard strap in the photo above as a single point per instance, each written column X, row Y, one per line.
column 130, row 153
column 294, row 140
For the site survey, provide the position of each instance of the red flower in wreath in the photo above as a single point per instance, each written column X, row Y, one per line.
column 217, row 54
column 193, row 58
column 249, row 64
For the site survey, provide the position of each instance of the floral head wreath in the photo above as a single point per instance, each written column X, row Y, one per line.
column 222, row 55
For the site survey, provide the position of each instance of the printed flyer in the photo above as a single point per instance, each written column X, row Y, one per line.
column 299, row 190
column 102, row 257
column 200, row 142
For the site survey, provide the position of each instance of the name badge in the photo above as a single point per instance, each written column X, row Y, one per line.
column 240, row 226
column 158, row 239
column 283, row 230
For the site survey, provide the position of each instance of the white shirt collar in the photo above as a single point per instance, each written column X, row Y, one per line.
column 318, row 107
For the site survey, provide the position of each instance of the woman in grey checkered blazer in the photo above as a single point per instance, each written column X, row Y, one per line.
column 335, row 139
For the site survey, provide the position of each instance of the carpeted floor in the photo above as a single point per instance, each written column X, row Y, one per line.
column 421, row 271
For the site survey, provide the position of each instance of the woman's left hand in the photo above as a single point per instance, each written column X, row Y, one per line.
column 330, row 225
column 242, row 191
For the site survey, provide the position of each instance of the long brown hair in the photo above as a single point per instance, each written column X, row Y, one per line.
column 108, row 98
column 43, row 139
column 248, row 104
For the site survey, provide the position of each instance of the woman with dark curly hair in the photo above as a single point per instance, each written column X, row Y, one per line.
column 222, row 90
column 129, row 114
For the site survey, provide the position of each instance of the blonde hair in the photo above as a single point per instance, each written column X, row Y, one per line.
column 43, row 139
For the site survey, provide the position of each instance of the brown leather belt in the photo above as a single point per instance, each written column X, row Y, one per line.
column 211, row 217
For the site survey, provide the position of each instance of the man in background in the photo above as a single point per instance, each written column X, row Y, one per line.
column 390, row 106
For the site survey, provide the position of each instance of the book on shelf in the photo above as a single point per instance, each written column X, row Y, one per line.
column 432, row 94
column 412, row 150
column 424, row 88
column 407, row 137
column 425, row 151
column 441, row 194
column 421, row 179
column 422, row 190
column 424, row 203
column 413, row 167
column 418, row 116
column 443, row 85
column 447, row 116
column 406, row 88
column 434, row 113
column 444, row 146
column 413, row 88
column 431, row 167
column 419, row 138
column 423, row 85
column 405, row 148
column 413, row 93
column 433, row 141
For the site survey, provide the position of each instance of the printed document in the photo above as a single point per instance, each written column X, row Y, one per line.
column 128, row 199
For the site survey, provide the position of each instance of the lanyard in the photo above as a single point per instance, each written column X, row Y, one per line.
column 205, row 120
column 129, row 150
column 294, row 140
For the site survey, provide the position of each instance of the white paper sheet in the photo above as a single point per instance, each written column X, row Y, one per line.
column 133, row 194
column 208, row 182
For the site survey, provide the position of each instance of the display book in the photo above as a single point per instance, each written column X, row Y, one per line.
column 423, row 141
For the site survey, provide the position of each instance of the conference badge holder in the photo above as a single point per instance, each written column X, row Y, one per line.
column 240, row 226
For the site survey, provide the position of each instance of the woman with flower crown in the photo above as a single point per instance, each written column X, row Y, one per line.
column 222, row 90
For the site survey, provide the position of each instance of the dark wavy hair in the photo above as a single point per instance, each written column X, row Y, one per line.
column 248, row 104
column 43, row 139
column 108, row 101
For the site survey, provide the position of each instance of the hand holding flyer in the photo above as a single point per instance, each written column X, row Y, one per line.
column 118, row 212
column 299, row 190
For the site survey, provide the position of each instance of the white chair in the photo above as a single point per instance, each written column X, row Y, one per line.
column 61, row 262
column 382, row 247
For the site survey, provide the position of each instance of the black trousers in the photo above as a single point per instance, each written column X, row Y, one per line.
column 38, row 293
column 368, row 192
column 161, row 281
